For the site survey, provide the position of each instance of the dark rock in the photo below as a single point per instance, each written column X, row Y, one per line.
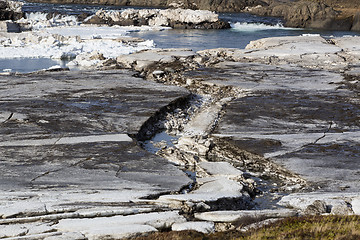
column 318, row 207
column 302, row 14
column 10, row 15
column 97, row 20
column 81, row 17
column 356, row 23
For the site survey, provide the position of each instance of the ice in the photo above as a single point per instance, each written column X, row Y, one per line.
column 70, row 42
column 253, row 27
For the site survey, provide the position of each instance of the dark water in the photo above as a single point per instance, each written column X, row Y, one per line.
column 245, row 28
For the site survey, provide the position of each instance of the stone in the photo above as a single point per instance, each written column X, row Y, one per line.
column 154, row 220
column 318, row 207
column 245, row 215
column 211, row 190
column 301, row 14
column 220, row 169
column 356, row 23
column 81, row 155
column 204, row 227
column 343, row 208
column 142, row 60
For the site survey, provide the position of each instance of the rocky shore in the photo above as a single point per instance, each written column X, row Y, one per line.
column 172, row 139
column 262, row 133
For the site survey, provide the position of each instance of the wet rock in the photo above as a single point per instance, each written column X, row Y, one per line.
column 318, row 207
column 204, row 227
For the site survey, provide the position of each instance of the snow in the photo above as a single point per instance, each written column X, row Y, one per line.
column 68, row 42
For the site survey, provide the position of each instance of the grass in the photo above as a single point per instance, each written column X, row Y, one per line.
column 296, row 228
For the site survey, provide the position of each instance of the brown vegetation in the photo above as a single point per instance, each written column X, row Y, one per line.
column 314, row 227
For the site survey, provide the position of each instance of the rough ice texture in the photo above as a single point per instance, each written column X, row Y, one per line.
column 75, row 40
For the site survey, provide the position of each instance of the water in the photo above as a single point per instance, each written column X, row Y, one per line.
column 245, row 28
column 27, row 65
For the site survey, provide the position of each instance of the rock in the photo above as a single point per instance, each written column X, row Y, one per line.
column 141, row 61
column 356, row 22
column 318, row 207
column 10, row 10
column 260, row 224
column 204, row 227
column 9, row 26
column 153, row 221
column 175, row 18
column 81, row 154
column 245, row 215
column 66, row 236
column 211, row 190
column 343, row 208
column 220, row 169
column 335, row 201
column 302, row 14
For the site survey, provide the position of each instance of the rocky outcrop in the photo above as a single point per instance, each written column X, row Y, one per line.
column 175, row 18
column 304, row 14
column 356, row 23
column 10, row 10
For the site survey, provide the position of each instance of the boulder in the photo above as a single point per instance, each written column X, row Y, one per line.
column 341, row 208
column 318, row 207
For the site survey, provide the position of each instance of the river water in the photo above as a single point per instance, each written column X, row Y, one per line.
column 245, row 28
